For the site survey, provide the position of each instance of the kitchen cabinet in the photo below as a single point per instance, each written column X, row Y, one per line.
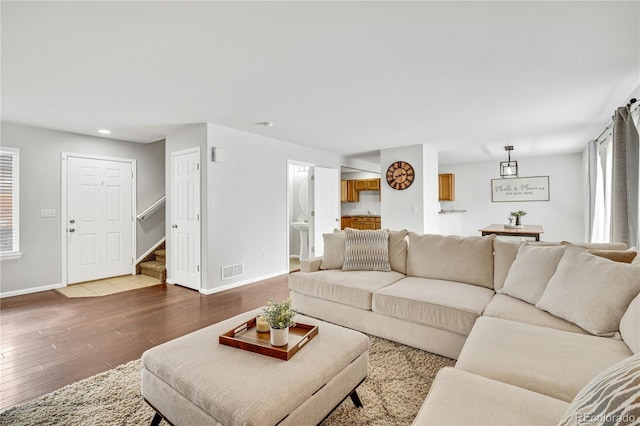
column 447, row 187
column 348, row 192
column 373, row 184
column 350, row 189
column 361, row 185
column 352, row 193
column 345, row 222
column 365, row 222
column 367, row 184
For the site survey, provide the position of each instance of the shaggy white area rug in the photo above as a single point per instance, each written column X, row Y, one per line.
column 398, row 383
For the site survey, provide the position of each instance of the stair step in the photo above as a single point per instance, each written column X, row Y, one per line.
column 161, row 255
column 154, row 269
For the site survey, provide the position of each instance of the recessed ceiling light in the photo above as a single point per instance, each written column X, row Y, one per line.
column 266, row 124
column 104, row 131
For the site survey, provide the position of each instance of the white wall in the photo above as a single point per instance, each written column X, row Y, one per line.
column 562, row 217
column 40, row 179
column 247, row 205
column 414, row 208
column 431, row 207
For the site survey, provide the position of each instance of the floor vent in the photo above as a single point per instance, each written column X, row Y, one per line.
column 231, row 271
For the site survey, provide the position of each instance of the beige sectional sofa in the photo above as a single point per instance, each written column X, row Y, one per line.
column 529, row 324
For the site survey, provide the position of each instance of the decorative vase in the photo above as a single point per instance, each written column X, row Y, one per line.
column 279, row 336
column 518, row 221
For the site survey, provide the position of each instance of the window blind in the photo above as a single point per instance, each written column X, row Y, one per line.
column 9, row 201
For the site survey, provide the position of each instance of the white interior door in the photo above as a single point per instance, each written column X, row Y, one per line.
column 185, row 221
column 99, row 218
column 326, row 206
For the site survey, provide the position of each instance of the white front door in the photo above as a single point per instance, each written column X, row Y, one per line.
column 185, row 218
column 99, row 218
column 326, row 205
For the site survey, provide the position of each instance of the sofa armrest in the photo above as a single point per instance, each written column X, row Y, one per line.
column 311, row 264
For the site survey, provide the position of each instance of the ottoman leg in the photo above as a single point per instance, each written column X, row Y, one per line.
column 156, row 420
column 356, row 399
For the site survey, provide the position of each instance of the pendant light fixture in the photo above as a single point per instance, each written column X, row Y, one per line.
column 508, row 168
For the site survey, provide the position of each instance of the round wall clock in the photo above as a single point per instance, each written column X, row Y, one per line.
column 400, row 175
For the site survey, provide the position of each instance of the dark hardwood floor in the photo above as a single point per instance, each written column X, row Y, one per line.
column 48, row 341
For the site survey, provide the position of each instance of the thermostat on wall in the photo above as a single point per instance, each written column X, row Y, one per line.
column 217, row 154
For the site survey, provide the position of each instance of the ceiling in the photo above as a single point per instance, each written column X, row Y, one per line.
column 347, row 77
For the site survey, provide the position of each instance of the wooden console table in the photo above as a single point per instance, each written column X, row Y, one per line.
column 528, row 231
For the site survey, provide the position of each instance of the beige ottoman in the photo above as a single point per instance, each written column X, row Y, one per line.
column 194, row 380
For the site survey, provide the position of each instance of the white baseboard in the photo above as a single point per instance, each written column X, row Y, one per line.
column 30, row 290
column 151, row 250
column 241, row 283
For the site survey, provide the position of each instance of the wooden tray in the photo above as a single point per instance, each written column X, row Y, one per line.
column 246, row 337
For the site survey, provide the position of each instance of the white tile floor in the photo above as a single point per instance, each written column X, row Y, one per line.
column 108, row 286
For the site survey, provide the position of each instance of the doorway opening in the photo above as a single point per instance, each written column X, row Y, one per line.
column 313, row 209
column 299, row 212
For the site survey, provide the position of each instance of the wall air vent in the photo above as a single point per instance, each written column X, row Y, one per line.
column 231, row 271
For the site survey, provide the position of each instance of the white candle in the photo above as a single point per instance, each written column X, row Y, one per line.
column 261, row 324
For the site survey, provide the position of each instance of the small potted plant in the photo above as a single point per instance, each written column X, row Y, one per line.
column 518, row 215
column 279, row 316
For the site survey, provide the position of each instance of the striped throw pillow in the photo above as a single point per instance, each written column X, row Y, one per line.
column 366, row 250
column 612, row 397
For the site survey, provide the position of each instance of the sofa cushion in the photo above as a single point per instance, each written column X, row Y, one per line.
column 597, row 246
column 311, row 264
column 452, row 258
column 624, row 256
column 611, row 251
column 612, row 397
column 551, row 362
column 333, row 254
column 504, row 253
column 630, row 326
column 510, row 308
column 460, row 398
column 591, row 291
column 398, row 243
column 366, row 250
column 349, row 288
column 531, row 271
column 441, row 304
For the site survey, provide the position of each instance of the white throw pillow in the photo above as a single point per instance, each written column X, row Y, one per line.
column 333, row 255
column 531, row 271
column 590, row 291
column 366, row 250
column 611, row 398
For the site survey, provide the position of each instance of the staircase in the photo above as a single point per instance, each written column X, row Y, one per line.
column 154, row 265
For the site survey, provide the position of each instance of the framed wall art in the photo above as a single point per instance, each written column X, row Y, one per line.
column 534, row 188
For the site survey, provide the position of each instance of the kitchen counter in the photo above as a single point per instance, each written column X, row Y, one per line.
column 451, row 211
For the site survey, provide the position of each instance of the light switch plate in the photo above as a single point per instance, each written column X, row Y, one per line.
column 48, row 213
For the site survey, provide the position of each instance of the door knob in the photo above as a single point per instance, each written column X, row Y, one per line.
column 174, row 226
column 72, row 221
column 72, row 229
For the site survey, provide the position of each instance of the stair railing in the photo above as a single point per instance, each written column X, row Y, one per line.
column 152, row 208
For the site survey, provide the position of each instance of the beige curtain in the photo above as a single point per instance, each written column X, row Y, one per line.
column 624, row 202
